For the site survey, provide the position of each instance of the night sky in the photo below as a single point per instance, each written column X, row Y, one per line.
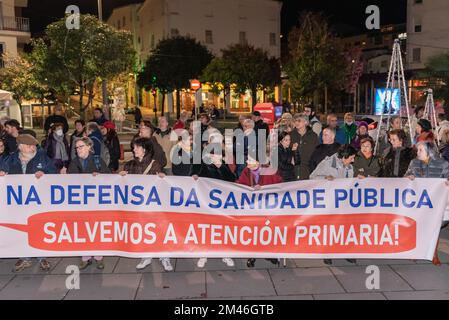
column 345, row 15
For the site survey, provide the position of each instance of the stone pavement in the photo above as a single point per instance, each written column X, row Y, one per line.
column 299, row 280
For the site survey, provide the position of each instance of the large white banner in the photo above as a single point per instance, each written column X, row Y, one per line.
column 148, row 216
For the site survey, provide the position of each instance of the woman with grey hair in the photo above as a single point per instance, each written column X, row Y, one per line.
column 428, row 164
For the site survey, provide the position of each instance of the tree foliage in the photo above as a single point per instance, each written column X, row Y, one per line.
column 172, row 64
column 437, row 71
column 249, row 68
column 316, row 57
column 78, row 57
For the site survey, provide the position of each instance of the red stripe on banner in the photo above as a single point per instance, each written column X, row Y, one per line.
column 190, row 232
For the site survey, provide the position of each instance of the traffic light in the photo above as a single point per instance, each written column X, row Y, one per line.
column 153, row 92
column 154, row 79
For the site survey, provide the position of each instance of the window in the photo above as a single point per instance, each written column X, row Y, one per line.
column 2, row 51
column 418, row 28
column 272, row 39
column 417, row 55
column 378, row 40
column 418, row 1
column 208, row 9
column 243, row 9
column 209, row 37
column 242, row 37
column 174, row 32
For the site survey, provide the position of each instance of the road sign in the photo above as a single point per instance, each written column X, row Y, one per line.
column 195, row 85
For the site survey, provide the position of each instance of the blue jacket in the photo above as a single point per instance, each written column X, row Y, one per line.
column 340, row 136
column 40, row 162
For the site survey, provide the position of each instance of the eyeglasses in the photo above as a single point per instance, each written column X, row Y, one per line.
column 80, row 147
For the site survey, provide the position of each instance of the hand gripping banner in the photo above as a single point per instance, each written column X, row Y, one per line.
column 148, row 216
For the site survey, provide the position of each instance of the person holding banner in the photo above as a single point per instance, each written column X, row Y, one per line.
column 145, row 164
column 396, row 158
column 251, row 176
column 338, row 166
column 29, row 160
column 86, row 163
column 288, row 157
column 146, row 130
column 366, row 164
column 219, row 170
column 428, row 165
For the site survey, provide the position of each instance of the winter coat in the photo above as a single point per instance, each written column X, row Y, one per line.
column 158, row 152
column 321, row 152
column 357, row 141
column 167, row 140
column 92, row 166
column 436, row 168
column 247, row 179
column 49, row 146
column 350, row 132
column 40, row 162
column 366, row 167
column 306, row 146
column 113, row 146
column 184, row 169
column 10, row 144
column 395, row 162
column 285, row 167
column 99, row 121
column 211, row 171
column 332, row 166
column 138, row 167
column 97, row 139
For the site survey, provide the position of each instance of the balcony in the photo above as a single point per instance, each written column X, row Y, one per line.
column 15, row 24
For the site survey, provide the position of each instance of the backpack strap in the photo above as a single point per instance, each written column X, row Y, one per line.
column 149, row 167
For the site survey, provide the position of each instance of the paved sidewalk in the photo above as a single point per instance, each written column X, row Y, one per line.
column 299, row 280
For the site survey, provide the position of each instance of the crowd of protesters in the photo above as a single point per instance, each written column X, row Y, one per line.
column 304, row 148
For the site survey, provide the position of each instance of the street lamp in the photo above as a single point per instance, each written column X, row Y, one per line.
column 104, row 83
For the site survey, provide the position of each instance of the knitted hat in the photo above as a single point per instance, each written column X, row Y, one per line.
column 109, row 125
column 363, row 124
column 425, row 125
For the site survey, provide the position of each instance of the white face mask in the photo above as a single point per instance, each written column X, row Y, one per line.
column 59, row 132
column 349, row 123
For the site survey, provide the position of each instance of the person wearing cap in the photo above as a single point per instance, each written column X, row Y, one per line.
column 362, row 133
column 424, row 132
column 57, row 117
column 111, row 140
column 29, row 160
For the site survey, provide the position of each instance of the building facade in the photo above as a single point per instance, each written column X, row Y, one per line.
column 214, row 23
column 14, row 28
column 427, row 31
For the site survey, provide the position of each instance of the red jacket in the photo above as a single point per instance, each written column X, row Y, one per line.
column 246, row 179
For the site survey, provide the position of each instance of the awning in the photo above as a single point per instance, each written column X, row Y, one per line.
column 5, row 95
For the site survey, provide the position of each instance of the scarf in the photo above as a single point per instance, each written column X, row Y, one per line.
column 60, row 150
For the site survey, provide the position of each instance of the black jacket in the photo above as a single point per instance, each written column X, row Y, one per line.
column 180, row 168
column 75, row 166
column 389, row 162
column 10, row 144
column 307, row 144
column 285, row 167
column 113, row 146
column 211, row 171
column 321, row 152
